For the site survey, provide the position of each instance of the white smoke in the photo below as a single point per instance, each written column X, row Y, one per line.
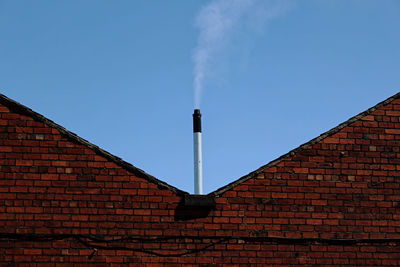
column 217, row 21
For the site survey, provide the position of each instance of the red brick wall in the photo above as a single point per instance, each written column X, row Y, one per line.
column 333, row 201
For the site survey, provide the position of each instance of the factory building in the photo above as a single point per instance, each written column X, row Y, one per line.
column 334, row 200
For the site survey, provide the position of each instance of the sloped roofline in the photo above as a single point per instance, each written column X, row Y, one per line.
column 254, row 174
column 23, row 110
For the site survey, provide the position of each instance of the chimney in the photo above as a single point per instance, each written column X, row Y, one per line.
column 198, row 161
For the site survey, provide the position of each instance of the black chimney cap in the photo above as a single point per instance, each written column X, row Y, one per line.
column 197, row 121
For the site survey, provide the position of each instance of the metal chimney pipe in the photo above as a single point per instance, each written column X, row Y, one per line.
column 198, row 161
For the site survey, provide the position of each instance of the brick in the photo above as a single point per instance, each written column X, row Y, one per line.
column 319, row 202
column 314, row 221
column 5, row 149
column 15, row 209
column 343, row 186
column 331, row 140
column 49, row 176
column 32, row 251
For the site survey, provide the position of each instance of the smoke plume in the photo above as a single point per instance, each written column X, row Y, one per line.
column 217, row 21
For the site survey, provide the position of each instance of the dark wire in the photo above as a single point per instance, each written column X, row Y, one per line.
column 98, row 242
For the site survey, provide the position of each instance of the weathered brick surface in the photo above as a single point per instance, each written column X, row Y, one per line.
column 333, row 201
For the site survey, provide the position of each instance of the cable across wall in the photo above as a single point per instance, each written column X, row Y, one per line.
column 203, row 242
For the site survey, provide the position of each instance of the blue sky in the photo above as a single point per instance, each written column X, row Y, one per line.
column 121, row 75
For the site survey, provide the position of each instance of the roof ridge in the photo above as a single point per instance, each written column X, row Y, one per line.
column 18, row 107
column 332, row 131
